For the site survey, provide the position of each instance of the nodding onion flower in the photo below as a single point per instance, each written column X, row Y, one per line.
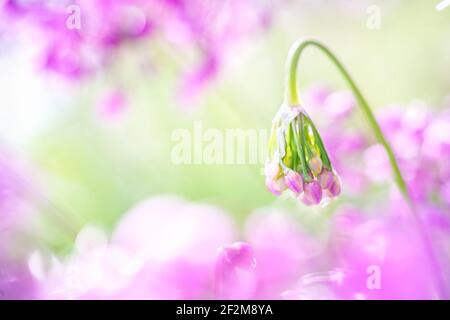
column 298, row 159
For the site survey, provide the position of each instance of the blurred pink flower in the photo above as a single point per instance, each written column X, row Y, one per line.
column 387, row 246
column 75, row 50
column 162, row 228
column 283, row 251
column 339, row 104
column 199, row 239
column 16, row 282
column 15, row 187
column 420, row 139
column 277, row 253
column 234, row 275
column 164, row 248
column 112, row 105
column 196, row 80
column 167, row 248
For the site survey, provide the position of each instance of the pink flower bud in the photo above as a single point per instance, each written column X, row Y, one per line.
column 294, row 181
column 312, row 194
column 335, row 187
column 276, row 186
column 325, row 179
column 271, row 170
column 315, row 164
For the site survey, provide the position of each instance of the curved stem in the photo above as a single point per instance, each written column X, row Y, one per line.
column 292, row 98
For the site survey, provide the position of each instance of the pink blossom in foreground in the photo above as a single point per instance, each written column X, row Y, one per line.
column 167, row 248
column 282, row 249
column 277, row 253
column 381, row 258
column 16, row 280
column 234, row 276
column 164, row 248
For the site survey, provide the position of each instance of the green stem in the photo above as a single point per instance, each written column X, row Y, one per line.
column 292, row 98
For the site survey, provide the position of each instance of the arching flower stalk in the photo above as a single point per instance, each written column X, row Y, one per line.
column 298, row 160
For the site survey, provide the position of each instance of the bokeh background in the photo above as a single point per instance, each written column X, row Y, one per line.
column 86, row 116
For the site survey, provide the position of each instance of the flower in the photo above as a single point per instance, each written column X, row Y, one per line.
column 298, row 159
column 233, row 276
column 312, row 194
column 163, row 248
column 377, row 256
column 294, row 181
column 16, row 281
column 380, row 257
column 112, row 105
column 104, row 27
column 283, row 251
column 169, row 248
column 15, row 192
column 421, row 140
column 277, row 252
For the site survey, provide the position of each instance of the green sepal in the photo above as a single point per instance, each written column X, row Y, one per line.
column 315, row 144
column 299, row 140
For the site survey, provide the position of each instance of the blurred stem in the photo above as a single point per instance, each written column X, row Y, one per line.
column 292, row 99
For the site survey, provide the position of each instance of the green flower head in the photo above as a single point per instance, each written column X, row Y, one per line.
column 297, row 158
